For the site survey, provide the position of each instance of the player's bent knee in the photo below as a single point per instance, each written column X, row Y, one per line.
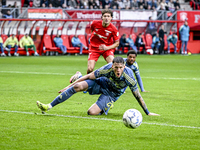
column 78, row 87
column 91, row 112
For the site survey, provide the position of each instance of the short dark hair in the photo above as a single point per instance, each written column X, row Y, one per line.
column 107, row 11
column 132, row 52
column 118, row 60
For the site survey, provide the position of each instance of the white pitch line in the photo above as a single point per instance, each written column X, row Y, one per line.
column 172, row 78
column 95, row 118
column 64, row 74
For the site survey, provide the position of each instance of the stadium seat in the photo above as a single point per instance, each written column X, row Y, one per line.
column 148, row 39
column 4, row 37
column 48, row 45
column 66, row 42
column 134, row 37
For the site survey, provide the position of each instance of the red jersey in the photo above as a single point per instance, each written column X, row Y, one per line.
column 103, row 35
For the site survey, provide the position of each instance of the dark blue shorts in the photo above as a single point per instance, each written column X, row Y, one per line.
column 106, row 99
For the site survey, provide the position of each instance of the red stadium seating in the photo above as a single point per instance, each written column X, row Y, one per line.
column 48, row 45
column 148, row 38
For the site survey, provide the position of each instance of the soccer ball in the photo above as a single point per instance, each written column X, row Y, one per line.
column 150, row 52
column 132, row 118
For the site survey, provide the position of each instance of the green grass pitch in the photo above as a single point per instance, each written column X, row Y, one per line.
column 173, row 82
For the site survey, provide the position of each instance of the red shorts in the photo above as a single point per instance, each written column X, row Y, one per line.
column 94, row 54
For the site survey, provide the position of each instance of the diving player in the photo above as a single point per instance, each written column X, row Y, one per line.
column 109, row 81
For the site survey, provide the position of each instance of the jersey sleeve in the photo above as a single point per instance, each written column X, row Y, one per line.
column 92, row 26
column 115, row 34
column 103, row 71
column 129, row 76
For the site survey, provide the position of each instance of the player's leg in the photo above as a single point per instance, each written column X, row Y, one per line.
column 103, row 104
column 174, row 48
column 168, row 47
column 82, row 86
column 108, row 56
column 186, row 47
column 92, row 59
column 91, row 65
column 16, row 49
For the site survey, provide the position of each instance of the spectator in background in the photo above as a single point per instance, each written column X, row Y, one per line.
column 123, row 43
column 145, row 4
column 135, row 4
column 16, row 11
column 163, row 5
column 140, row 3
column 184, row 35
column 153, row 3
column 155, row 43
column 121, row 4
column 11, row 42
column 127, row 4
column 1, row 47
column 172, row 39
column 131, row 43
column 36, row 3
column 59, row 43
column 43, row 5
column 58, row 3
column 161, row 36
column 85, row 4
column 114, row 4
column 177, row 5
column 3, row 2
column 154, row 13
column 92, row 4
column 6, row 9
column 44, row 2
column 77, row 43
column 64, row 6
column 72, row 4
column 7, row 15
column 171, row 6
column 105, row 3
column 51, row 6
column 26, row 3
column 151, row 27
column 140, row 43
column 26, row 42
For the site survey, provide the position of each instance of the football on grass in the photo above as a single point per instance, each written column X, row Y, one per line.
column 132, row 118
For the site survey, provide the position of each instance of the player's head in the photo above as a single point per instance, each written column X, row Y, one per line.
column 26, row 35
column 186, row 23
column 107, row 15
column 174, row 34
column 13, row 35
column 118, row 66
column 131, row 56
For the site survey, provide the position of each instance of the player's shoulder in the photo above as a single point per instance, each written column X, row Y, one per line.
column 113, row 27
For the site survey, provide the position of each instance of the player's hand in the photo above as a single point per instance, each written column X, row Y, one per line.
column 153, row 114
column 103, row 47
column 145, row 91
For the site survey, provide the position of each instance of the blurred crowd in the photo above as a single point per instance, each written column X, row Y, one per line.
column 168, row 5
column 112, row 4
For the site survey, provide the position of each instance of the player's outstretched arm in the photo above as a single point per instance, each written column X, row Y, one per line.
column 140, row 100
column 88, row 76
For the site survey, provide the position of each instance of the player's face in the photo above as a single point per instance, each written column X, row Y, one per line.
column 131, row 59
column 118, row 69
column 106, row 19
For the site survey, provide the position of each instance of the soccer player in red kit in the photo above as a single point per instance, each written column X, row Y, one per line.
column 104, row 39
